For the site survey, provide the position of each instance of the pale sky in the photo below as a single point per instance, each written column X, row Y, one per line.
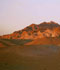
column 17, row 14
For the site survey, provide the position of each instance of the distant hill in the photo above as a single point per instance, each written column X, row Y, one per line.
column 34, row 31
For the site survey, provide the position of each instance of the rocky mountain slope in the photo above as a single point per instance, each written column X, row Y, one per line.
column 36, row 31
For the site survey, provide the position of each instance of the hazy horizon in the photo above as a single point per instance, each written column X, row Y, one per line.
column 17, row 14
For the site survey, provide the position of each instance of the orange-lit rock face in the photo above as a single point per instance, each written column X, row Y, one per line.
column 1, row 44
column 5, row 37
column 24, row 35
column 45, row 29
column 40, row 35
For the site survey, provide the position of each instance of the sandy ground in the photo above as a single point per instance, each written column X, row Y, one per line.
column 30, row 58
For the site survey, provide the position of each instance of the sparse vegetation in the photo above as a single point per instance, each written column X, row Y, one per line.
column 35, row 31
column 29, row 28
column 35, row 27
column 20, row 32
column 17, row 41
column 4, row 43
column 29, row 33
column 18, row 36
column 59, row 36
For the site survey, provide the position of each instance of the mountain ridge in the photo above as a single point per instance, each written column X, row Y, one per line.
column 36, row 31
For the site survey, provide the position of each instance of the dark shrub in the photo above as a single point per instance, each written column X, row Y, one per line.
column 29, row 28
column 18, row 36
column 35, row 27
column 29, row 33
column 20, row 32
